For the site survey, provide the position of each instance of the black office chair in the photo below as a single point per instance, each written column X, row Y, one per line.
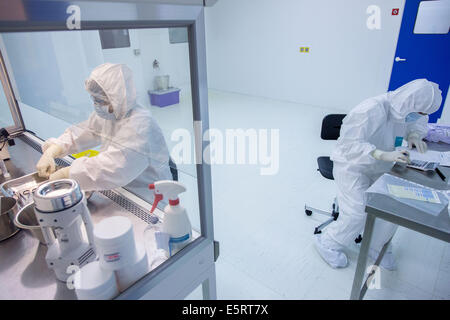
column 173, row 169
column 331, row 127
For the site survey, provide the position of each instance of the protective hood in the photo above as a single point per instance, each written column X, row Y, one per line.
column 419, row 95
column 116, row 81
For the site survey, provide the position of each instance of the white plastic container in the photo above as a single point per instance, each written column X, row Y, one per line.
column 115, row 243
column 92, row 282
column 133, row 272
column 176, row 227
column 162, row 82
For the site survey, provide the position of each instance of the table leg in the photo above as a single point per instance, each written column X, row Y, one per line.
column 209, row 285
column 362, row 258
column 376, row 264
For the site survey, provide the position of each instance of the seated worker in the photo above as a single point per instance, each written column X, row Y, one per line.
column 364, row 151
column 133, row 151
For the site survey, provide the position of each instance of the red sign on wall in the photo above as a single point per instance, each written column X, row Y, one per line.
column 395, row 12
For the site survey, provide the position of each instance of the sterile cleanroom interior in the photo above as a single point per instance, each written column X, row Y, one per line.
column 273, row 71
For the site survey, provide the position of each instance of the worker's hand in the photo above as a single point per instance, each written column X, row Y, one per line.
column 414, row 140
column 396, row 156
column 45, row 166
column 60, row 174
column 393, row 156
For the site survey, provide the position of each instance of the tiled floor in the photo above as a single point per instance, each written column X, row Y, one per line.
column 266, row 239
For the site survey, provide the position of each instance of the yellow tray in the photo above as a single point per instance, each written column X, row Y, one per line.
column 87, row 153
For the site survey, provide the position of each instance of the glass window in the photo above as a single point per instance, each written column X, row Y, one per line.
column 178, row 35
column 112, row 39
column 6, row 119
column 50, row 70
column 433, row 17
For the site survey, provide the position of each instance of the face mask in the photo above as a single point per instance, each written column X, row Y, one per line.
column 102, row 112
column 413, row 117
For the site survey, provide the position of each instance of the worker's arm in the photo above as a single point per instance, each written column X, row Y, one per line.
column 415, row 132
column 353, row 145
column 77, row 138
column 420, row 127
column 114, row 167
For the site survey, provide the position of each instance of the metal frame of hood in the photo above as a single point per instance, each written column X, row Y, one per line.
column 46, row 15
column 18, row 126
column 205, row 3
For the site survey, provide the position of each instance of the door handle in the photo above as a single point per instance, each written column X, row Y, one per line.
column 398, row 59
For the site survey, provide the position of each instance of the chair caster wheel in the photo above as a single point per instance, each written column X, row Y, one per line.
column 317, row 231
column 308, row 212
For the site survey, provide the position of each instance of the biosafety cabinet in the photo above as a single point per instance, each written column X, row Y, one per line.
column 48, row 50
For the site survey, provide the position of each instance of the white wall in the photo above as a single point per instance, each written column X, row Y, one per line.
column 445, row 116
column 173, row 59
column 253, row 48
column 48, row 69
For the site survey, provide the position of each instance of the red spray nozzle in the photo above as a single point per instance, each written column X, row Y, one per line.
column 168, row 189
column 158, row 198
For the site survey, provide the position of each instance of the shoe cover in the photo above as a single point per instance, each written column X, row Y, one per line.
column 388, row 262
column 330, row 252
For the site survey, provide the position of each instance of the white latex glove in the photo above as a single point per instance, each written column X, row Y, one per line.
column 414, row 140
column 62, row 173
column 46, row 164
column 393, row 156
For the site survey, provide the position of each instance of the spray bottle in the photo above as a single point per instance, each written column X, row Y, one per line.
column 176, row 225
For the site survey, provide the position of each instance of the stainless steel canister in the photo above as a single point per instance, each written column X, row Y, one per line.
column 8, row 209
column 26, row 219
column 57, row 195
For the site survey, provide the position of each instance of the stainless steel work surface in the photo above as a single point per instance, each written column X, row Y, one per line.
column 394, row 211
column 23, row 270
column 389, row 209
column 427, row 178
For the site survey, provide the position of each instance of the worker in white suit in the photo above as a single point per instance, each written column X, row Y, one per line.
column 364, row 151
column 133, row 151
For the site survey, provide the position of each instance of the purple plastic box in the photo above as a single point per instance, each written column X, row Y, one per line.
column 164, row 98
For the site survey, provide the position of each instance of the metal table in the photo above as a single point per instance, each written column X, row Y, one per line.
column 386, row 208
column 24, row 273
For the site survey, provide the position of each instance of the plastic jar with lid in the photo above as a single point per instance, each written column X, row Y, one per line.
column 114, row 240
column 92, row 282
column 129, row 274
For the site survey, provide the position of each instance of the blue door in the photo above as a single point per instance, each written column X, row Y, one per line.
column 423, row 50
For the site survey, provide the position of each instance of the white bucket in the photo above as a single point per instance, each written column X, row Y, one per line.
column 92, row 282
column 132, row 273
column 162, row 82
column 115, row 243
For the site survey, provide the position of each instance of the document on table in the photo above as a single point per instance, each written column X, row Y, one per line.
column 443, row 158
column 414, row 193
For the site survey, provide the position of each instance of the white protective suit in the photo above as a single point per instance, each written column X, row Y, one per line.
column 374, row 124
column 133, row 151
